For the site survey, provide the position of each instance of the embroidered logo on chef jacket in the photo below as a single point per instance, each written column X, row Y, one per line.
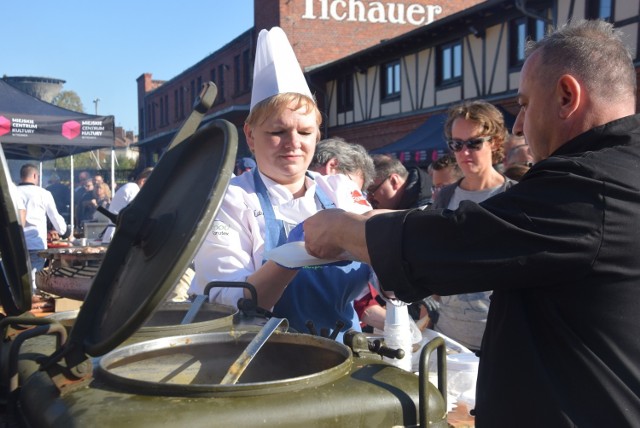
column 220, row 229
column 359, row 198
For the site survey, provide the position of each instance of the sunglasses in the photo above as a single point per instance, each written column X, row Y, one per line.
column 472, row 144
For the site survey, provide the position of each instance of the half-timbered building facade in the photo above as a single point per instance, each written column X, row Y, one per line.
column 383, row 72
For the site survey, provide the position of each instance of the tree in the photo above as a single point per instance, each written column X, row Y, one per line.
column 69, row 100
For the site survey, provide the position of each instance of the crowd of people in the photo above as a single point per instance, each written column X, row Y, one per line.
column 44, row 213
column 521, row 246
column 559, row 251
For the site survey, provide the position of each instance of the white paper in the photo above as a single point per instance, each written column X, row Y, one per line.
column 294, row 255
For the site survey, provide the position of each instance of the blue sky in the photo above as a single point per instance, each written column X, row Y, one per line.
column 100, row 49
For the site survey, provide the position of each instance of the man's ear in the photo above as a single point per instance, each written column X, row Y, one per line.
column 332, row 166
column 568, row 93
column 395, row 181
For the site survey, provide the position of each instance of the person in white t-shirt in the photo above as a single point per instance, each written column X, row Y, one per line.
column 39, row 205
column 475, row 131
column 123, row 197
column 18, row 202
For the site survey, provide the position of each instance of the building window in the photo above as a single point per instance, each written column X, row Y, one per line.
column 449, row 63
column 181, row 102
column 220, row 83
column 345, row 93
column 600, row 9
column 242, row 73
column 237, row 75
column 192, row 92
column 152, row 115
column 391, row 80
column 176, row 105
column 141, row 127
column 246, row 70
column 199, row 87
column 521, row 30
column 212, row 78
column 166, row 109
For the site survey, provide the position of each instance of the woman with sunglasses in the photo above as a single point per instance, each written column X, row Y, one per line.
column 475, row 133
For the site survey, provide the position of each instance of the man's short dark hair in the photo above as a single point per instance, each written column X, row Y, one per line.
column 144, row 174
column 443, row 162
column 27, row 169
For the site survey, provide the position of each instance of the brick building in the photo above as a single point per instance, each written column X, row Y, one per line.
column 476, row 53
column 383, row 72
column 320, row 31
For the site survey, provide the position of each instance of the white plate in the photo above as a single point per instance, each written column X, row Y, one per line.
column 293, row 255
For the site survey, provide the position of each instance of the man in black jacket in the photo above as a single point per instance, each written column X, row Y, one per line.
column 397, row 187
column 561, row 250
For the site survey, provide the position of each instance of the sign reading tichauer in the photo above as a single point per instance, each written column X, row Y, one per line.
column 371, row 12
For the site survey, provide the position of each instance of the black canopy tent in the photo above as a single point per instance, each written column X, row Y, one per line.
column 422, row 145
column 31, row 129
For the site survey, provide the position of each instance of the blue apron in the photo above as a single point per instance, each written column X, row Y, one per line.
column 322, row 294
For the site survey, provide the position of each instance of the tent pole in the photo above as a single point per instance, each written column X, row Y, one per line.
column 96, row 158
column 113, row 172
column 40, row 173
column 73, row 203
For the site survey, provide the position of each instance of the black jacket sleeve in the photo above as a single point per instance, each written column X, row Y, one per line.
column 542, row 231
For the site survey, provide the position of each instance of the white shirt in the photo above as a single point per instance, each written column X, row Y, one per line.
column 463, row 317
column 234, row 247
column 15, row 196
column 476, row 196
column 39, row 205
column 123, row 197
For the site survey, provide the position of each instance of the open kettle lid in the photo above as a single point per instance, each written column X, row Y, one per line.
column 15, row 268
column 156, row 237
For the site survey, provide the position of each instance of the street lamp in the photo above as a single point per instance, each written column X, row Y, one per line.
column 96, row 101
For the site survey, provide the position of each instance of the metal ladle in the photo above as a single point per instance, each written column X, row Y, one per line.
column 240, row 364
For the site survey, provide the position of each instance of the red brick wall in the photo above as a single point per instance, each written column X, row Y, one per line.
column 192, row 73
column 317, row 41
column 374, row 135
column 266, row 14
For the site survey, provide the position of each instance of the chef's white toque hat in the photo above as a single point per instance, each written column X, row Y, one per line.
column 276, row 69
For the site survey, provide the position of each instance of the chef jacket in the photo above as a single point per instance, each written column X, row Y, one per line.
column 39, row 205
column 561, row 250
column 123, row 197
column 235, row 247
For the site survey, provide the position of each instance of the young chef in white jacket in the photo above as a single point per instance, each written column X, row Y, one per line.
column 262, row 206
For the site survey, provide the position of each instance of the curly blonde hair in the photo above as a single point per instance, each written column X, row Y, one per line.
column 488, row 117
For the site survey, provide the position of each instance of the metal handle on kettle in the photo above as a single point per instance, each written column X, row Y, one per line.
column 427, row 350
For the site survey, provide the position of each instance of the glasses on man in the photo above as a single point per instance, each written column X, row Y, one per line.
column 472, row 144
column 373, row 189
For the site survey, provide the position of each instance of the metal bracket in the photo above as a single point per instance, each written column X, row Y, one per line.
column 40, row 327
column 201, row 105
